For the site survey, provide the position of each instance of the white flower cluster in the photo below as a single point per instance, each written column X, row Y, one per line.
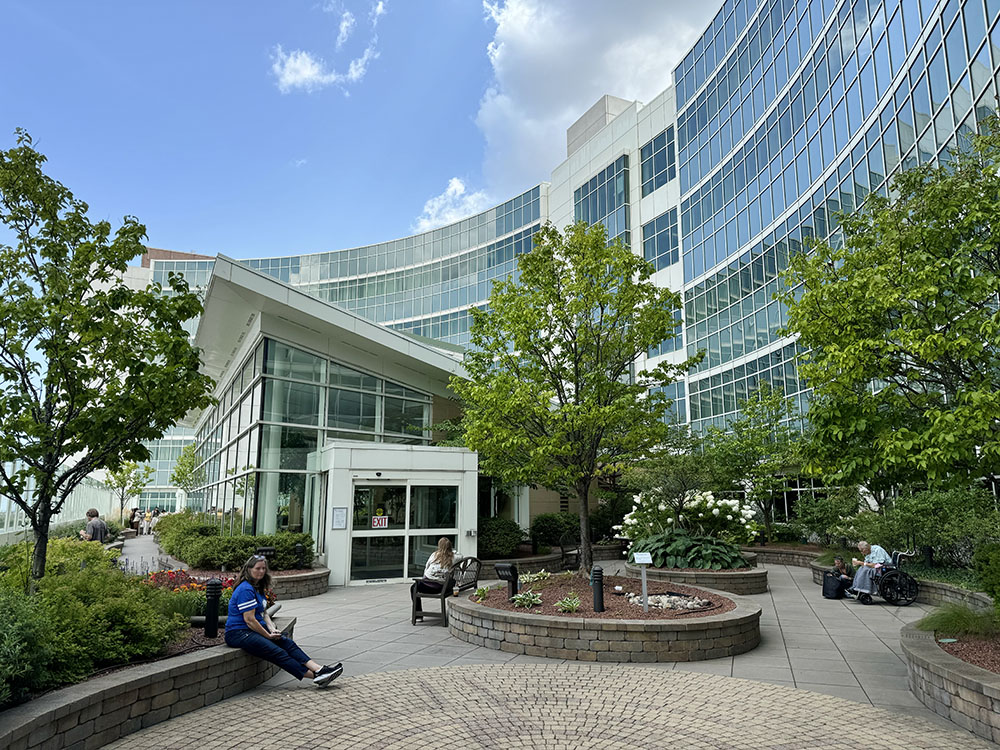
column 729, row 507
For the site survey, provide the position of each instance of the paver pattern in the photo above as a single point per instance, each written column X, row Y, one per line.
column 827, row 674
column 546, row 706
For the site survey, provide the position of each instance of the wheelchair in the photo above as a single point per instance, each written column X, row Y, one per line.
column 894, row 585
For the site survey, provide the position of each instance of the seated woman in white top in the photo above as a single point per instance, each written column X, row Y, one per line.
column 437, row 569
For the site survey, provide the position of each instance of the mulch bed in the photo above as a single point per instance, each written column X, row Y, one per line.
column 982, row 652
column 615, row 607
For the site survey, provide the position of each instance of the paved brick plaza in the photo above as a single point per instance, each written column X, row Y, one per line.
column 827, row 674
column 567, row 706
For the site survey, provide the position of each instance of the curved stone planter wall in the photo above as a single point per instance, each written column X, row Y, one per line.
column 748, row 581
column 948, row 686
column 777, row 556
column 934, row 593
column 301, row 585
column 595, row 639
column 608, row 552
column 99, row 711
column 551, row 563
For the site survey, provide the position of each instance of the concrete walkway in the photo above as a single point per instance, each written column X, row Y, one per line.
column 814, row 652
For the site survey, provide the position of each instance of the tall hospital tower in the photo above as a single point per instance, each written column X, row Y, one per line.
column 783, row 113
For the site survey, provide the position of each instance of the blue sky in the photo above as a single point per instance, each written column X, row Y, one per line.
column 257, row 129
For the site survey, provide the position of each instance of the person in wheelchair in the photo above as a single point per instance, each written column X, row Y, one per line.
column 876, row 558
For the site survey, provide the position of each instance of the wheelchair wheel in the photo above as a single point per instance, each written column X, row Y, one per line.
column 898, row 588
column 865, row 598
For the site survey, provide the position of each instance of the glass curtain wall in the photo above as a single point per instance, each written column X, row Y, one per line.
column 281, row 407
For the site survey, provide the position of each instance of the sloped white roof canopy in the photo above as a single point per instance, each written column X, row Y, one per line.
column 236, row 296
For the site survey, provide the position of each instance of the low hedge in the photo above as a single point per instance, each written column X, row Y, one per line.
column 231, row 552
column 72, row 529
column 498, row 537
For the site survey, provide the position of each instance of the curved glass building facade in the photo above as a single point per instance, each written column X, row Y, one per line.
column 783, row 113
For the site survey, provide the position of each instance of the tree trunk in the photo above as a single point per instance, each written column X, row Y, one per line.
column 586, row 551
column 39, row 553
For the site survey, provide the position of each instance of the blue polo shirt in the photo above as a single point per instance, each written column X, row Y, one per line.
column 245, row 599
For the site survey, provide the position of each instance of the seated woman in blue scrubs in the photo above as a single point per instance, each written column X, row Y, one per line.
column 249, row 627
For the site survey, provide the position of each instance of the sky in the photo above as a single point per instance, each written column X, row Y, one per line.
column 258, row 129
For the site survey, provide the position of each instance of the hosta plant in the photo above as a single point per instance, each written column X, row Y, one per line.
column 527, row 599
column 678, row 549
column 526, row 578
column 570, row 603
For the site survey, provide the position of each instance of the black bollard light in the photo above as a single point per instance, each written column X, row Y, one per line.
column 213, row 592
column 300, row 553
column 597, row 581
column 508, row 572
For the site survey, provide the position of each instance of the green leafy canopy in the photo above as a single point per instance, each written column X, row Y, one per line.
column 551, row 396
column 902, row 324
column 89, row 368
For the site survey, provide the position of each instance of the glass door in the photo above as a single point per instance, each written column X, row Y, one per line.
column 396, row 527
column 378, row 539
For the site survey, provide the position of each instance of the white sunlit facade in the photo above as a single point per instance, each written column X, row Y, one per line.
column 781, row 114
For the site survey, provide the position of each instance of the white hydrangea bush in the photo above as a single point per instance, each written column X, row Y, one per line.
column 698, row 512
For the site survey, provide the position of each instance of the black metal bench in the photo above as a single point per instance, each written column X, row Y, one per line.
column 570, row 546
column 464, row 575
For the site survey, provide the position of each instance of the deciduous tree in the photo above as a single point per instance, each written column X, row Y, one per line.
column 128, row 481
column 552, row 397
column 902, row 326
column 89, row 368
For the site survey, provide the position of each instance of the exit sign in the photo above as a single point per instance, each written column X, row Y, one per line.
column 380, row 522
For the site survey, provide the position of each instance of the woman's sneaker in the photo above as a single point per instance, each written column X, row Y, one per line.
column 326, row 675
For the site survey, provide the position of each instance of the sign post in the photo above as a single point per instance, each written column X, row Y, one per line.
column 642, row 559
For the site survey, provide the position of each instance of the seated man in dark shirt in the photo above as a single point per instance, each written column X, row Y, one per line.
column 97, row 530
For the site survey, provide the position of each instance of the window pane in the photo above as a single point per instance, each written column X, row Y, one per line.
column 433, row 507
column 406, row 417
column 288, row 362
column 286, row 447
column 377, row 557
column 378, row 502
column 351, row 410
column 291, row 402
column 340, row 375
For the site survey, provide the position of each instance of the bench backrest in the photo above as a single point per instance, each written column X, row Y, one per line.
column 464, row 574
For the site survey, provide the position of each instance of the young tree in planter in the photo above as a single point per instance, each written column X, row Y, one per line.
column 902, row 326
column 757, row 451
column 89, row 368
column 551, row 396
column 188, row 474
column 127, row 482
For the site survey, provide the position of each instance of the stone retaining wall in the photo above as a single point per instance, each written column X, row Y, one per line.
column 948, row 686
column 748, row 581
column 300, row 585
column 777, row 556
column 93, row 713
column 933, row 593
column 605, row 640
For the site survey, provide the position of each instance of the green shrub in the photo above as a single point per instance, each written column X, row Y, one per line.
column 175, row 532
column 950, row 524
column 959, row 620
column 549, row 528
column 786, row 532
column 823, row 514
column 677, row 549
column 62, row 556
column 986, row 563
column 72, row 529
column 26, row 642
column 498, row 537
column 214, row 552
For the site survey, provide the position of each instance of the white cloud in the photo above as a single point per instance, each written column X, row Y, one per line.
column 299, row 162
column 300, row 70
column 451, row 205
column 346, row 27
column 553, row 59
